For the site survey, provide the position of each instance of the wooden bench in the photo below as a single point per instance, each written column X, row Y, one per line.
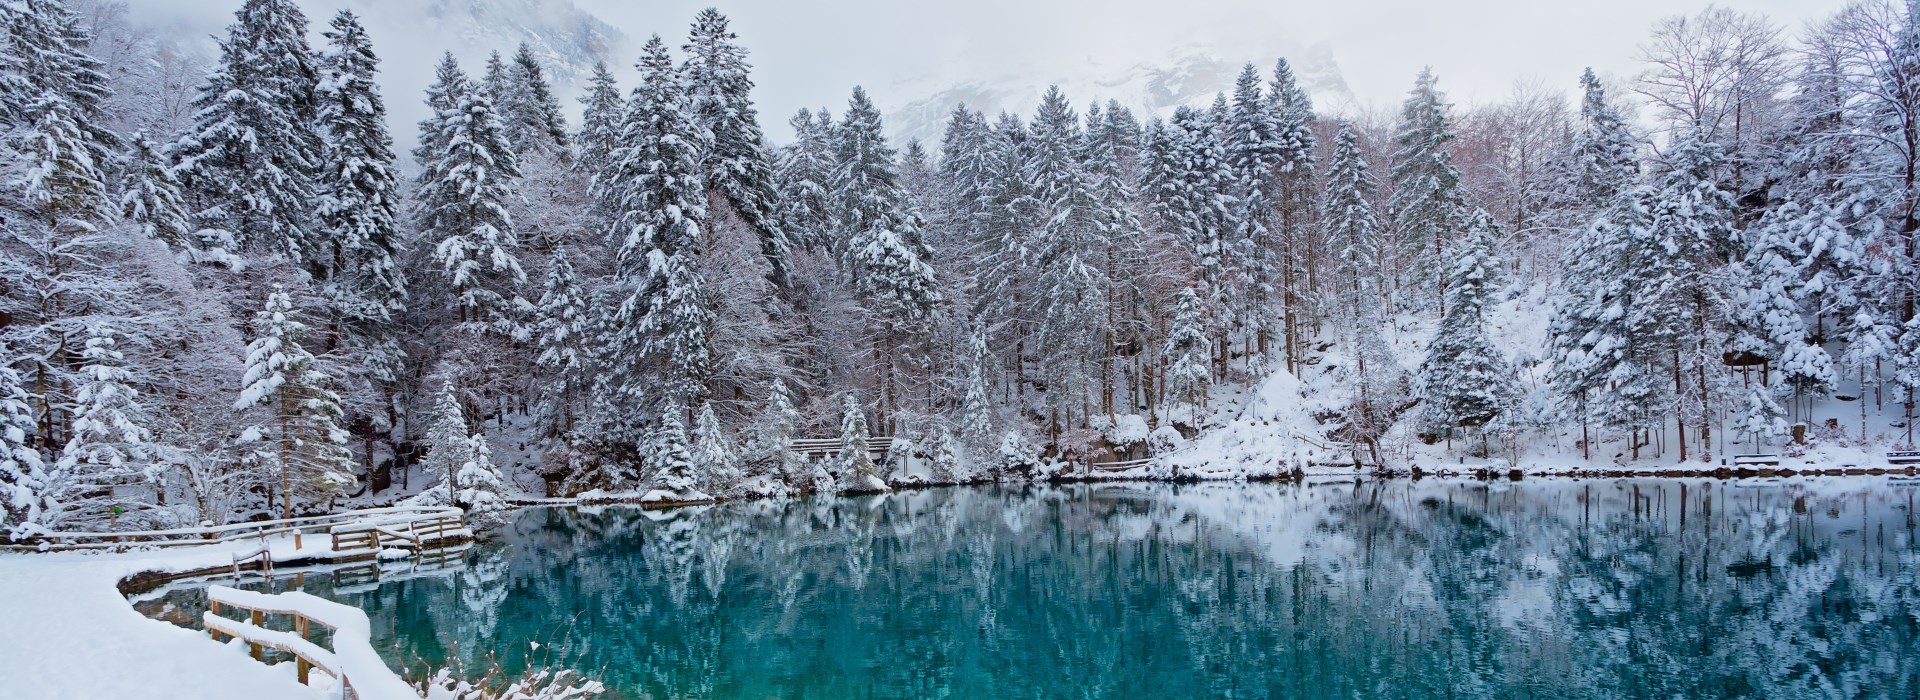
column 1756, row 460
column 1904, row 457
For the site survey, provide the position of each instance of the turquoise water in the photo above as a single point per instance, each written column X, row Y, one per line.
column 1399, row 589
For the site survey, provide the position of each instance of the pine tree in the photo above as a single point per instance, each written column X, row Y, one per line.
column 531, row 113
column 1604, row 161
column 657, row 195
column 976, row 410
column 1192, row 198
column 23, row 477
column 1256, row 153
column 150, row 194
column 669, row 459
column 300, row 440
column 1187, row 376
column 737, row 165
column 247, row 160
column 600, row 121
column 110, row 445
column 1293, row 202
column 857, row 470
column 885, row 256
column 359, row 200
column 561, row 336
column 1466, row 381
column 1070, row 287
column 51, row 107
column 1427, row 206
column 1352, row 232
column 804, row 177
column 478, row 485
column 467, row 170
column 448, row 446
column 714, row 452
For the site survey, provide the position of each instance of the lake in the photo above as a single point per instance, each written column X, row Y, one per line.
column 1402, row 589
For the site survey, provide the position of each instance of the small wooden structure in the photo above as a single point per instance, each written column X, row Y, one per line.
column 1904, row 457
column 830, row 447
column 364, row 540
column 1119, row 466
column 1756, row 460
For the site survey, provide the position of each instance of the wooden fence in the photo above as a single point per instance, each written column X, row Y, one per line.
column 352, row 662
column 394, row 517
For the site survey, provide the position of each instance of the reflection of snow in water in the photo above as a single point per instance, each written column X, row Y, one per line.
column 1576, row 589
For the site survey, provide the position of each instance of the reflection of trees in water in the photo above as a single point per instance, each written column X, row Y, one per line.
column 1578, row 589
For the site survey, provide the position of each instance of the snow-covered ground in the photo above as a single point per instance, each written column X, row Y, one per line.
column 66, row 632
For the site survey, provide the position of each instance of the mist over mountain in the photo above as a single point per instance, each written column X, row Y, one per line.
column 1190, row 75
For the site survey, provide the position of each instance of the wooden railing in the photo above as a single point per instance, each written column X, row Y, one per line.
column 831, row 446
column 187, row 536
column 417, row 532
column 1118, row 466
column 352, row 662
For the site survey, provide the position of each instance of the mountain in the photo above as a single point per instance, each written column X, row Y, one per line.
column 1187, row 76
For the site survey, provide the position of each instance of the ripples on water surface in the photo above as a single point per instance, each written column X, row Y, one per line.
column 1386, row 589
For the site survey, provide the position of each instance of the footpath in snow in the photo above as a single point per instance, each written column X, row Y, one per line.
column 69, row 633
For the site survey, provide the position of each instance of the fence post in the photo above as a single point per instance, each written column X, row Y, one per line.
column 259, row 620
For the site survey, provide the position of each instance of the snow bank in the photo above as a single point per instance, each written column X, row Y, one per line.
column 1274, row 433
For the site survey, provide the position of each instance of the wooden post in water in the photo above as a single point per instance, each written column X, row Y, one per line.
column 301, row 665
column 259, row 620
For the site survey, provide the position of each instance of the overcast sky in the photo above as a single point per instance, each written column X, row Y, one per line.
column 810, row 52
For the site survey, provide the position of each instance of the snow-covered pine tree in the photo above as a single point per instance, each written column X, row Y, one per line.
column 465, row 183
column 1605, row 163
column 247, row 159
column 1001, row 249
column 713, row 450
column 478, row 484
column 1070, row 287
column 448, row 446
column 976, row 408
column 1193, row 199
column 50, row 106
column 670, row 459
column 23, row 475
column 299, row 440
column 1352, row 232
column 150, row 195
column 1465, row 381
column 1293, row 204
column 737, row 160
column 858, row 473
column 885, row 257
column 600, row 119
column 1607, row 354
column 966, row 162
column 657, row 197
column 774, row 434
column 1427, row 205
column 359, row 201
column 1107, row 157
column 1758, row 418
column 1187, row 376
column 561, row 334
column 1692, row 237
column 110, row 446
column 803, row 176
column 1256, row 153
column 533, row 120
